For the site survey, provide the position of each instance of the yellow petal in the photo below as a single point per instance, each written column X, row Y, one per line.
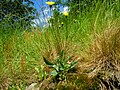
column 50, row 3
column 65, row 13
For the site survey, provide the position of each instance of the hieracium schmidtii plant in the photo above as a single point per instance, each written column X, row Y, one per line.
column 61, row 66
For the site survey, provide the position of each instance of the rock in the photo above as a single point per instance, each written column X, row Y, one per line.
column 33, row 86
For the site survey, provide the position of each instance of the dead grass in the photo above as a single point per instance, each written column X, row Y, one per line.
column 105, row 58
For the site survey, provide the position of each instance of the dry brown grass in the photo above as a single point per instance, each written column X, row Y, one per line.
column 105, row 58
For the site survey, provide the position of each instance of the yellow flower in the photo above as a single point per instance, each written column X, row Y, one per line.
column 50, row 3
column 65, row 13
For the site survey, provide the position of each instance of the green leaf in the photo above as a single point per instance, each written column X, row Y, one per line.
column 62, row 54
column 72, row 65
column 69, row 58
column 61, row 65
column 48, row 62
column 57, row 67
column 54, row 73
column 61, row 69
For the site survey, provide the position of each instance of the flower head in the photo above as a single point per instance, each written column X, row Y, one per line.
column 65, row 13
column 50, row 3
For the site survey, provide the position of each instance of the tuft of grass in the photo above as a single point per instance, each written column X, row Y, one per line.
column 105, row 54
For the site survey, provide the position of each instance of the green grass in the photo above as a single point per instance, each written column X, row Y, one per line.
column 22, row 51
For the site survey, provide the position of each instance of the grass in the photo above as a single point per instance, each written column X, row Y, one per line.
column 89, row 37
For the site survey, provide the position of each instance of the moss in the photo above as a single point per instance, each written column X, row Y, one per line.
column 78, row 82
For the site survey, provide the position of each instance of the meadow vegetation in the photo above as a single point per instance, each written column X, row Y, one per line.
column 79, row 50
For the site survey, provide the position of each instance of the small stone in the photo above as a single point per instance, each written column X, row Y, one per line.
column 33, row 86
